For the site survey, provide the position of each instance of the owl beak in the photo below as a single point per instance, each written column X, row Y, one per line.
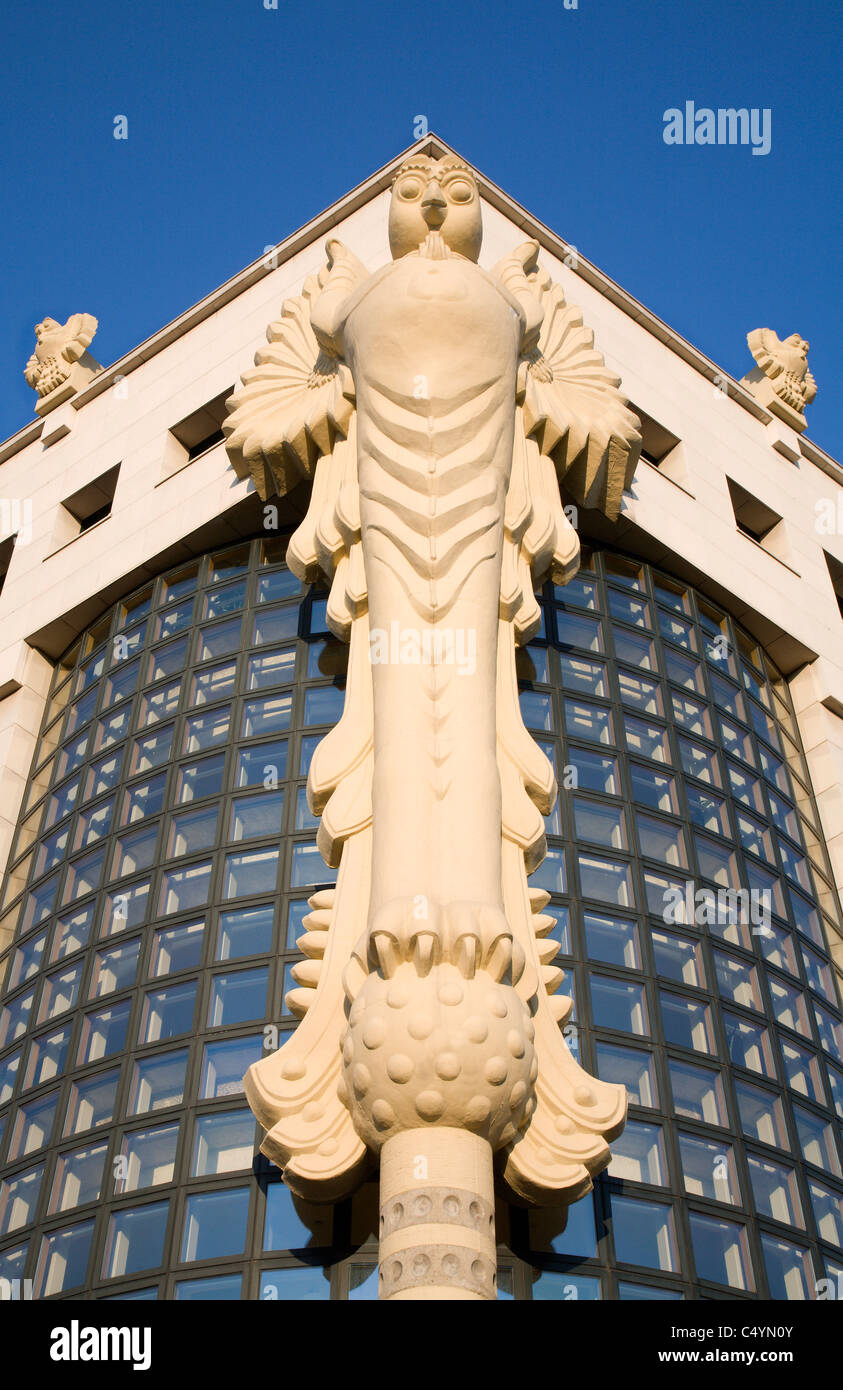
column 434, row 206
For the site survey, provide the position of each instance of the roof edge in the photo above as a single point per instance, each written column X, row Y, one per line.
column 357, row 197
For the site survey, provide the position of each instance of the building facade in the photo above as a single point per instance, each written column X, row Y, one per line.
column 164, row 680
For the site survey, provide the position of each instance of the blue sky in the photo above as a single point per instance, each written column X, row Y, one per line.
column 244, row 122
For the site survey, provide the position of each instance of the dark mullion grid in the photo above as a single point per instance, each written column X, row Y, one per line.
column 651, row 1044
column 144, row 982
column 736, row 1137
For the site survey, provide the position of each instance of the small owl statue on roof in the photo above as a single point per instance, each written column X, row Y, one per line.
column 61, row 358
column 782, row 379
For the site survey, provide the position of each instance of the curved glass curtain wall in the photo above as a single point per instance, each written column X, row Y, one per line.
column 161, row 870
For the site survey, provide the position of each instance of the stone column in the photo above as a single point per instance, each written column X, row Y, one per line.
column 437, row 1216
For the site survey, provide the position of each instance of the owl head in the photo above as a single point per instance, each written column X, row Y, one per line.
column 798, row 342
column 47, row 325
column 435, row 195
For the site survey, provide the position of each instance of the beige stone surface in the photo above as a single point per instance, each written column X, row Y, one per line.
column 782, row 379
column 690, row 529
column 61, row 364
column 435, row 405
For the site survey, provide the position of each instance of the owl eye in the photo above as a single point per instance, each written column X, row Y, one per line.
column 460, row 191
column 410, row 189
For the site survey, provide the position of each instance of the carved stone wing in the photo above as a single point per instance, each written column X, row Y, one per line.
column 766, row 347
column 298, row 399
column 295, row 417
column 80, row 329
column 572, row 406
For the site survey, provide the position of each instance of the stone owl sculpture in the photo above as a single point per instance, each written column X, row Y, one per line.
column 58, row 347
column 436, row 406
column 785, row 365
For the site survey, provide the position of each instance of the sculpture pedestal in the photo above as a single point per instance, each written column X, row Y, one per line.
column 437, row 1216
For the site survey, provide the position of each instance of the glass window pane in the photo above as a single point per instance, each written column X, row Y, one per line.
column 224, row 1142
column 160, row 704
column 192, row 831
column 275, row 625
column 654, row 789
column 219, row 640
column 91, row 1103
column 802, row 1070
column 200, row 779
column 147, row 1158
column 687, row 1022
column 60, row 992
column 215, row 1289
column 47, row 1057
column 125, row 908
column 224, row 1064
column 114, row 969
column 587, row 721
column 246, row 932
column 157, row 1082
column 647, row 740
column 205, row 730
column 594, row 773
column 104, row 1032
column 708, row 1169
column 167, row 1012
column 627, row 1067
column 152, row 750
column 168, row 660
column 215, row 1224
column 214, row 683
column 256, row 816
column 19, row 1199
column 749, row 1045
column 583, row 677
column 271, row 668
column 8, row 1072
column 677, row 958
column 265, row 765
column 816, row 1140
column 736, row 980
column 576, row 630
column 291, row 1224
column 638, row 1154
column 266, row 716
column 605, row 880
column 775, row 1190
column 619, row 1004
column 658, row 839
column 721, row 1251
column 602, row 824
column 828, row 1212
column 78, row 1178
column 251, row 872
column 143, row 799
column 184, row 889
column 176, row 948
column 238, row 997
column 63, row 1259
column 72, row 932
column 135, row 1240
column 790, row 1273
column 697, row 1092
column 761, row 1115
column 644, row 1233
column 612, row 939
column 134, row 851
